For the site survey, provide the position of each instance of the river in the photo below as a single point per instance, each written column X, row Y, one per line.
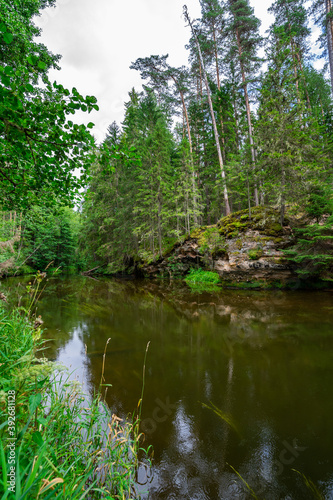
column 238, row 384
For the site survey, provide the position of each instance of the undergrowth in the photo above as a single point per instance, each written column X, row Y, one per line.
column 200, row 280
column 63, row 443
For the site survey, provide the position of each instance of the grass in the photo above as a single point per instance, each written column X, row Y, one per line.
column 67, row 444
column 200, row 278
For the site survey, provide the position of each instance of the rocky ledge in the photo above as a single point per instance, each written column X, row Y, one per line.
column 243, row 250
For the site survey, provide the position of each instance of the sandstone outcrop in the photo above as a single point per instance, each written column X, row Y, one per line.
column 242, row 250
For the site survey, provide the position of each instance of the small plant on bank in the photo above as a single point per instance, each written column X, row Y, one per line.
column 203, row 280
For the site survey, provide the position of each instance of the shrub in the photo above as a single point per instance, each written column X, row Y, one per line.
column 197, row 276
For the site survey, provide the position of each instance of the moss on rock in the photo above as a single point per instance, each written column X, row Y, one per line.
column 263, row 219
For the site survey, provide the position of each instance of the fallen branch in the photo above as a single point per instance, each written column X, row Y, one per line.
column 94, row 269
column 18, row 267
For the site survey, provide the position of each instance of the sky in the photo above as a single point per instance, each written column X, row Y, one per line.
column 98, row 40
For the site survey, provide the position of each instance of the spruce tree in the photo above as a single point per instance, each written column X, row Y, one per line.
column 291, row 153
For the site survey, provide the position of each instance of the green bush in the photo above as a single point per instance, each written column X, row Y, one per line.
column 198, row 276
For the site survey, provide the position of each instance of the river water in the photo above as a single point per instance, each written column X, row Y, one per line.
column 238, row 385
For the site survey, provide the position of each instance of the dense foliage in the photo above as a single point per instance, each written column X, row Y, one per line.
column 247, row 123
column 39, row 145
column 159, row 176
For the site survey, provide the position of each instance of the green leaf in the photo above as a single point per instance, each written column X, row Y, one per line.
column 34, row 402
column 37, row 438
column 8, row 37
column 41, row 65
column 9, row 70
column 29, row 87
column 90, row 125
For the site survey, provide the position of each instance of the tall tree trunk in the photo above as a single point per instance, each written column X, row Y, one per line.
column 236, row 117
column 219, row 88
column 295, row 73
column 248, row 114
column 298, row 62
column 329, row 29
column 217, row 141
column 195, row 201
column 159, row 223
column 283, row 186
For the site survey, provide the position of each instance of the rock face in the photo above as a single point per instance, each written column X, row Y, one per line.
column 240, row 249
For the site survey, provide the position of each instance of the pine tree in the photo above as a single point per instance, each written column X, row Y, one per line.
column 323, row 12
column 291, row 17
column 225, row 190
column 159, row 73
column 243, row 27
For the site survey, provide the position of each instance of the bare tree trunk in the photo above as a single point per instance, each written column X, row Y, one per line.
column 329, row 29
column 195, row 202
column 14, row 223
column 236, row 117
column 219, row 88
column 217, row 141
column 304, row 81
column 248, row 114
column 282, row 206
column 159, row 224
column 295, row 72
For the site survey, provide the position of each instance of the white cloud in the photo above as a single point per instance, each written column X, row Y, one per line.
column 99, row 39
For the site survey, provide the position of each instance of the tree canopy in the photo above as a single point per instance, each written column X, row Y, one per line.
column 40, row 146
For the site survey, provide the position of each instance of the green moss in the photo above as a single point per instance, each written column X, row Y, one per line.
column 264, row 219
column 209, row 239
column 255, row 253
column 197, row 232
column 273, row 229
column 220, row 252
column 169, row 244
column 239, row 244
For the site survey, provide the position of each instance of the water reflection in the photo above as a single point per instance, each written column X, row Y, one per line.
column 264, row 359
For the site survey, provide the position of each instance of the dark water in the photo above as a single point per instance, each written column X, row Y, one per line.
column 262, row 360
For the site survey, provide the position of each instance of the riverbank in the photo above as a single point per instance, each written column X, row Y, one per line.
column 257, row 251
column 243, row 251
column 56, row 440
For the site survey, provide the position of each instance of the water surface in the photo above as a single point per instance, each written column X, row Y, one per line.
column 235, row 380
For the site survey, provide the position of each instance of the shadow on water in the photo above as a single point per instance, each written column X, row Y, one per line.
column 234, row 377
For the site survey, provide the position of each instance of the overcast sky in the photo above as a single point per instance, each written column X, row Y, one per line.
column 98, row 40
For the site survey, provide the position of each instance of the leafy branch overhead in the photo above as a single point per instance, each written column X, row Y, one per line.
column 40, row 146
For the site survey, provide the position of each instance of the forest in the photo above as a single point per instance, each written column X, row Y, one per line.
column 220, row 168
column 247, row 123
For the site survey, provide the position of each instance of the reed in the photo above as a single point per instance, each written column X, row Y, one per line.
column 68, row 444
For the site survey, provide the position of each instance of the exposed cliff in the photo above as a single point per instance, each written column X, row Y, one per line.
column 244, row 251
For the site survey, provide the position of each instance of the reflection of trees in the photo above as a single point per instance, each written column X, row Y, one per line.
column 252, row 354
